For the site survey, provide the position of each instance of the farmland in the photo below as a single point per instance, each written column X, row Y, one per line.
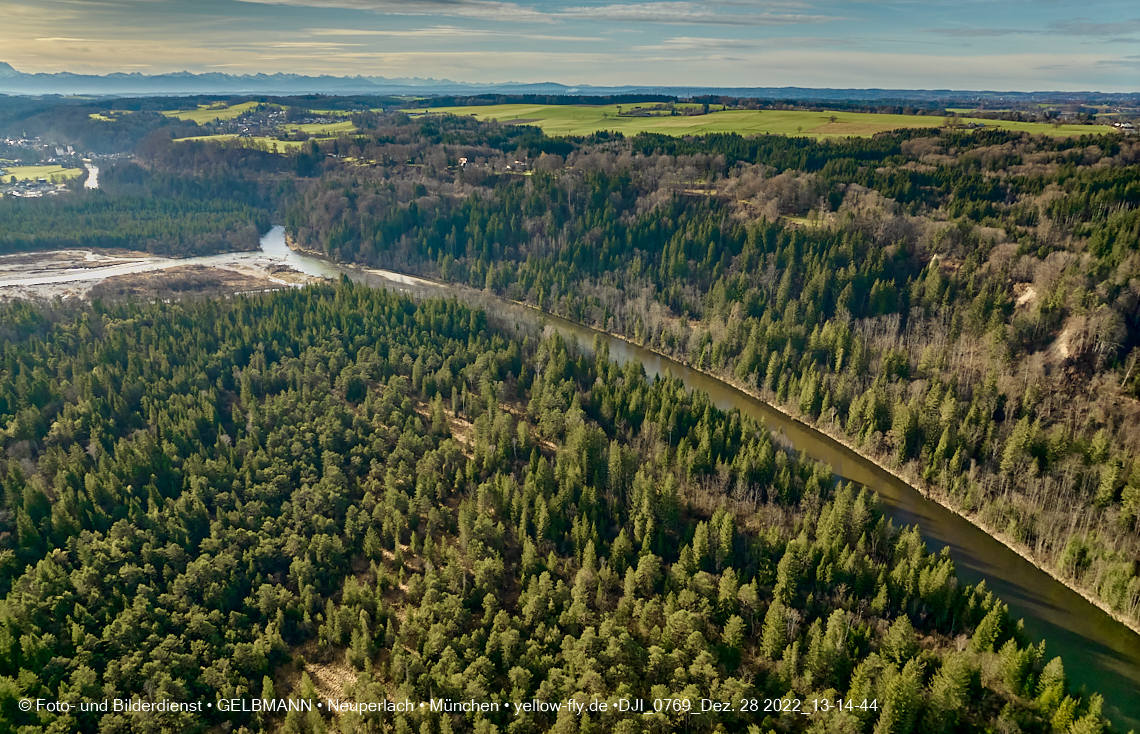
column 209, row 113
column 30, row 173
column 332, row 128
column 282, row 146
column 583, row 120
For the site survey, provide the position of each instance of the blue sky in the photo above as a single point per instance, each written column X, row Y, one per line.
column 1012, row 45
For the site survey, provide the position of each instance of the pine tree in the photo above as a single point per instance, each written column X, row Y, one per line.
column 733, row 635
column 701, row 543
column 900, row 643
column 727, row 592
column 900, row 706
column 619, row 552
column 372, row 544
column 949, row 694
column 988, row 631
column 725, row 541
column 775, row 635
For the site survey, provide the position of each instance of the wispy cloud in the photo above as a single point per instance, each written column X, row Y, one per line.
column 977, row 32
column 979, row 44
column 1124, row 62
column 447, row 32
column 482, row 9
column 663, row 12
column 309, row 44
column 690, row 43
column 1086, row 27
column 685, row 13
column 1081, row 27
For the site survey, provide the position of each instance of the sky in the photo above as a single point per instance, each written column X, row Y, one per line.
column 1001, row 45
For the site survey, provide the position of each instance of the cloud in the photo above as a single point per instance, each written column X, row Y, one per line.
column 356, row 32
column 1109, row 32
column 684, row 13
column 1125, row 62
column 446, row 32
column 665, row 12
column 481, row 9
column 300, row 44
column 690, row 43
column 976, row 32
column 60, row 38
column 1085, row 27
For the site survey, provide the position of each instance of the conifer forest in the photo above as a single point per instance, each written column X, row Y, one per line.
column 342, row 492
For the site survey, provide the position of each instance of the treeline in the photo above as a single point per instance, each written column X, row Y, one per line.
column 543, row 99
column 883, row 107
column 431, row 508
column 171, row 226
column 343, row 103
column 66, row 124
column 187, row 201
column 959, row 305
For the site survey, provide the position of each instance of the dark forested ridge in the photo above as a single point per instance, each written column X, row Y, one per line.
column 961, row 305
column 240, row 498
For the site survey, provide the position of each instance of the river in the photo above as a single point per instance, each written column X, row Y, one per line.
column 1100, row 653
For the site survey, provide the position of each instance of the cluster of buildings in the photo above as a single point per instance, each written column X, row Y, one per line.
column 255, row 123
column 31, row 189
column 49, row 152
column 267, row 122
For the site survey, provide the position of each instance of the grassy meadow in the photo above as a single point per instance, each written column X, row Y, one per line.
column 209, row 113
column 332, row 128
column 281, row 145
column 31, row 173
column 586, row 119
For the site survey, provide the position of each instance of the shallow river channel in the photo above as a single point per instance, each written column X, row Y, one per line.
column 1100, row 653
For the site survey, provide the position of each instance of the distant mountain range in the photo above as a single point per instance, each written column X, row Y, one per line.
column 184, row 82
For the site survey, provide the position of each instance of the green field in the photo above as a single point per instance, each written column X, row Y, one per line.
column 209, row 113
column 282, row 145
column 109, row 116
column 583, row 120
column 968, row 110
column 30, row 173
column 332, row 128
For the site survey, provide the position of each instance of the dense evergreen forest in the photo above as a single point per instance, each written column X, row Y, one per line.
column 221, row 208
column 280, row 494
column 963, row 306
column 260, row 495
